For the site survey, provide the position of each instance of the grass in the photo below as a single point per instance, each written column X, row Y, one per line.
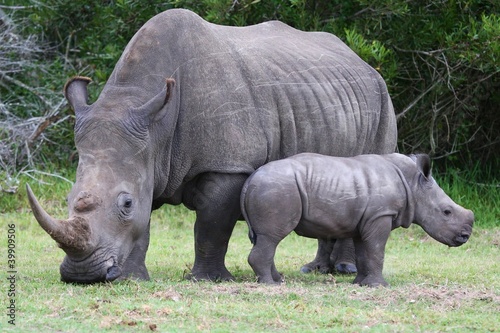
column 433, row 288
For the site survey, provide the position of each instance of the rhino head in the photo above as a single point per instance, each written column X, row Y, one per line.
column 440, row 217
column 110, row 203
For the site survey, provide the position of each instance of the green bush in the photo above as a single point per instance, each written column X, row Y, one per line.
column 439, row 58
column 33, row 123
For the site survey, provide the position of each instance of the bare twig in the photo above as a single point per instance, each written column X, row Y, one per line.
column 20, row 136
column 15, row 7
column 68, row 45
column 416, row 100
column 30, row 172
column 4, row 76
column 40, row 128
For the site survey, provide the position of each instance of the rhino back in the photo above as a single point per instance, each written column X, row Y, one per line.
column 346, row 193
column 249, row 95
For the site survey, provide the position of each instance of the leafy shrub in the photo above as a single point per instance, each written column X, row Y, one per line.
column 439, row 58
column 32, row 120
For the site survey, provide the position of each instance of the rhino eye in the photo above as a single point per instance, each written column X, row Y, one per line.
column 447, row 212
column 125, row 204
column 128, row 203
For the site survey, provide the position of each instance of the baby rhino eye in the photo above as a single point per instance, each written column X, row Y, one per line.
column 447, row 212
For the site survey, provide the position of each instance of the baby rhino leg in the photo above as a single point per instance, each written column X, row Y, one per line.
column 370, row 248
column 268, row 231
column 272, row 212
column 261, row 259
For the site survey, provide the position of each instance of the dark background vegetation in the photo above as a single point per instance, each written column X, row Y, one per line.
column 440, row 59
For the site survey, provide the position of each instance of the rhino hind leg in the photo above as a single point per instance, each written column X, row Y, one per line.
column 135, row 265
column 277, row 276
column 261, row 259
column 215, row 198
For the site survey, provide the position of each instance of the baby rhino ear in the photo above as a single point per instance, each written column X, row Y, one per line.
column 424, row 165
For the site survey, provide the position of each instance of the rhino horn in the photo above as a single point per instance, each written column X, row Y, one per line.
column 72, row 235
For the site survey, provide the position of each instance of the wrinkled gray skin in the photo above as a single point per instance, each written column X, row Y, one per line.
column 362, row 197
column 333, row 256
column 189, row 112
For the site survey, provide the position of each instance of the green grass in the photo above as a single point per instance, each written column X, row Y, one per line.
column 433, row 288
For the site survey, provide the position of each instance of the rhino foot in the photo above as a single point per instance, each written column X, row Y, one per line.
column 141, row 275
column 372, row 280
column 306, row 269
column 346, row 268
column 315, row 267
column 132, row 270
column 373, row 283
column 214, row 276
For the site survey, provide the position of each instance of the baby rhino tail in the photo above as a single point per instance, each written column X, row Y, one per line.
column 244, row 192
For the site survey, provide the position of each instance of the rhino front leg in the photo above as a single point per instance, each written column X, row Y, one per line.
column 135, row 266
column 216, row 201
column 333, row 256
column 322, row 261
column 343, row 256
column 370, row 250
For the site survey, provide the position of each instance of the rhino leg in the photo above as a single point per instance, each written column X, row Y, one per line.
column 135, row 266
column 343, row 257
column 277, row 276
column 333, row 256
column 216, row 199
column 322, row 261
column 370, row 250
column 261, row 259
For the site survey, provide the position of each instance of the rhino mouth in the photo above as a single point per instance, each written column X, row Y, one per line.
column 93, row 269
column 463, row 236
column 113, row 273
column 461, row 239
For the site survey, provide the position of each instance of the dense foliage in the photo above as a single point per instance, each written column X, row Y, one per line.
column 440, row 59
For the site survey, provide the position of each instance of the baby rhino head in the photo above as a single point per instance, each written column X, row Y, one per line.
column 443, row 219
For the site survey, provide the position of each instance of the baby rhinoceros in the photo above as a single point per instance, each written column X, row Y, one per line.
column 362, row 197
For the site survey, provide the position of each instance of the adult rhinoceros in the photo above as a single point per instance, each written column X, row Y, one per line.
column 189, row 112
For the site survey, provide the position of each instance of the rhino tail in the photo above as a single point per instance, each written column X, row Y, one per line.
column 251, row 233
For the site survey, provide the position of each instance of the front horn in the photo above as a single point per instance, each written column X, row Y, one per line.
column 72, row 235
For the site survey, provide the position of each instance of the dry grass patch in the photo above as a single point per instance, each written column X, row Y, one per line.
column 439, row 298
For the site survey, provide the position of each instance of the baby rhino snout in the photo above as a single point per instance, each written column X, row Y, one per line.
column 466, row 231
column 462, row 238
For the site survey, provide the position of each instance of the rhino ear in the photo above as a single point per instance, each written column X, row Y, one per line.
column 75, row 91
column 424, row 165
column 154, row 108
